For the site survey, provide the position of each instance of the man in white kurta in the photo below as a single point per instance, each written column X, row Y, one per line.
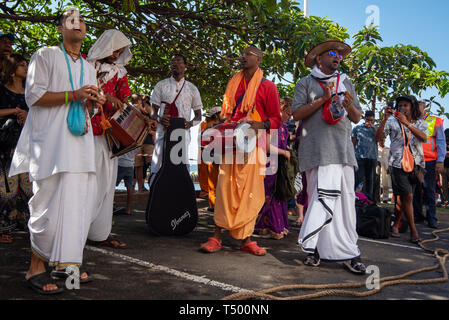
column 189, row 99
column 61, row 165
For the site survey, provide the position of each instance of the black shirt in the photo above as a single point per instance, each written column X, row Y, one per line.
column 11, row 100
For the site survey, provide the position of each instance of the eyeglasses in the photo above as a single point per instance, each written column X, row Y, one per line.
column 333, row 54
column 248, row 53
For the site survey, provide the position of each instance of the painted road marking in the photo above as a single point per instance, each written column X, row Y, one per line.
column 390, row 244
column 179, row 274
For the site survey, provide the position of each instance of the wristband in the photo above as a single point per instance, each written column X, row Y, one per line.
column 74, row 95
column 66, row 97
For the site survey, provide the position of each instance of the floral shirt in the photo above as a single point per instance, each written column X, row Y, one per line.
column 118, row 88
column 393, row 129
column 366, row 145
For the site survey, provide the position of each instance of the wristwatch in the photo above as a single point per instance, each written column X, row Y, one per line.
column 267, row 125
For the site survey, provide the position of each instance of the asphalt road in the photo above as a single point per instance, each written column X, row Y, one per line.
column 172, row 268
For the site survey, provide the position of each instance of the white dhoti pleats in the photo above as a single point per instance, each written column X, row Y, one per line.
column 330, row 222
column 60, row 215
column 106, row 169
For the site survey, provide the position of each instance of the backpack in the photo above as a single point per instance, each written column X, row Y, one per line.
column 372, row 221
column 285, row 178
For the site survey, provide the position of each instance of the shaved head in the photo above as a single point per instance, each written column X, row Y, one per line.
column 255, row 51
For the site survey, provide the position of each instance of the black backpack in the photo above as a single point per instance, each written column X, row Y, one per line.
column 285, row 178
column 372, row 221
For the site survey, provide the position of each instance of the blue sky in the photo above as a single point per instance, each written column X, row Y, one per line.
column 421, row 23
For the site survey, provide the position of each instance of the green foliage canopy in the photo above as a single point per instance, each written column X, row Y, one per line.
column 211, row 34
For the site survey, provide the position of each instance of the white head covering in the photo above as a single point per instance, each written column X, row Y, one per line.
column 110, row 41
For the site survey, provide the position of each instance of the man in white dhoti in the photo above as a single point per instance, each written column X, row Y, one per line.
column 185, row 95
column 327, row 104
column 109, row 55
column 61, row 164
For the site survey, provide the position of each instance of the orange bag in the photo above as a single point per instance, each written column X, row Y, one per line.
column 407, row 162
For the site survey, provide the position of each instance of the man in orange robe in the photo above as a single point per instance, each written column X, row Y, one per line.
column 240, row 189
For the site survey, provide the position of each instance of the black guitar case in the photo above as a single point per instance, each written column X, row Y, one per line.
column 171, row 208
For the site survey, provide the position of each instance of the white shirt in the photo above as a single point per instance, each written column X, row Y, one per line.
column 189, row 99
column 46, row 146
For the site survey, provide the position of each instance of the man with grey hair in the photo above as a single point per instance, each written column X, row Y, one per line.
column 326, row 102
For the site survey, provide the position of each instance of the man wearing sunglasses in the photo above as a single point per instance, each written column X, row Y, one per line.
column 326, row 102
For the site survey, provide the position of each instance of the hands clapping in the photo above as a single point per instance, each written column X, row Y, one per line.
column 21, row 115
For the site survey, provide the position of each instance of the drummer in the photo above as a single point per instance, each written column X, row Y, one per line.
column 109, row 55
column 251, row 98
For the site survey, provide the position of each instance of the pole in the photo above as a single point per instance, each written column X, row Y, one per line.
column 306, row 8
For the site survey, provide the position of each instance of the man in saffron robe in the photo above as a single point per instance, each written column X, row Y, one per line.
column 240, row 189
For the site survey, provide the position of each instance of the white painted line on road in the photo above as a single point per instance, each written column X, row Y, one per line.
column 390, row 243
column 179, row 274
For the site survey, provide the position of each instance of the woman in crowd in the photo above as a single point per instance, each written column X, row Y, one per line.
column 405, row 126
column 302, row 200
column 273, row 218
column 14, row 191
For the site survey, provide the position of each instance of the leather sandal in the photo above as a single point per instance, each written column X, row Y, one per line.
column 39, row 281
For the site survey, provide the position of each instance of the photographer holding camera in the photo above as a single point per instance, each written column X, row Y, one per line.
column 405, row 127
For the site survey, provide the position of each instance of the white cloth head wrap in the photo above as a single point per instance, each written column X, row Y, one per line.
column 110, row 41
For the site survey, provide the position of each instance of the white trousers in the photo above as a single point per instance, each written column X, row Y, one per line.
column 60, row 215
column 106, row 169
column 330, row 222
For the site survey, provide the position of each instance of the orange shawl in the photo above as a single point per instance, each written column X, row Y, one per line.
column 250, row 95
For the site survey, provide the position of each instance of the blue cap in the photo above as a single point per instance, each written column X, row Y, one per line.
column 11, row 36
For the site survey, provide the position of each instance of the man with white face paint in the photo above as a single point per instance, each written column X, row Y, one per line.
column 109, row 54
column 61, row 164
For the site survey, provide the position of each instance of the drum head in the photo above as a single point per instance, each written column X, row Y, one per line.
column 245, row 138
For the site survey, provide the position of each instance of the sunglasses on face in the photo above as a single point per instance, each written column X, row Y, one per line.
column 248, row 53
column 333, row 54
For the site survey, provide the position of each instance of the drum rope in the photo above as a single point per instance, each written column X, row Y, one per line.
column 337, row 289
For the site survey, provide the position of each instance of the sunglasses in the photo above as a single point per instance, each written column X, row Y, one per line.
column 333, row 54
column 248, row 53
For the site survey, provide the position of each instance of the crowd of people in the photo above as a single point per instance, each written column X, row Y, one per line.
column 61, row 184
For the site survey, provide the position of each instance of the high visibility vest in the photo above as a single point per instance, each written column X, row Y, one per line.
column 430, row 147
